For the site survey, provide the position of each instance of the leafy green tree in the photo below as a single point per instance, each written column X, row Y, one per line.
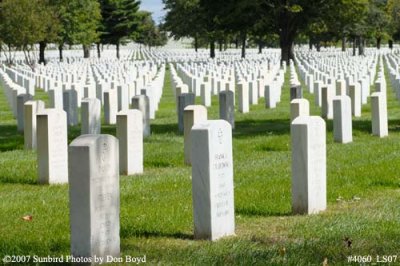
column 393, row 10
column 184, row 18
column 119, row 21
column 78, row 23
column 23, row 23
column 378, row 21
column 288, row 18
column 147, row 32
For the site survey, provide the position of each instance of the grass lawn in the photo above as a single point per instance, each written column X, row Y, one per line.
column 363, row 216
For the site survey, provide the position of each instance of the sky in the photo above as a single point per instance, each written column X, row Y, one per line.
column 154, row 6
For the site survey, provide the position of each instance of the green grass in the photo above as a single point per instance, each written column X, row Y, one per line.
column 156, row 207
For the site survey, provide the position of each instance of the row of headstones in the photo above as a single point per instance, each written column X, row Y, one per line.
column 115, row 99
column 393, row 64
column 46, row 131
column 358, row 93
column 341, row 107
column 226, row 103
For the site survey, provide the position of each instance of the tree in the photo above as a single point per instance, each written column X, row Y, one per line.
column 241, row 16
column 119, row 21
column 184, row 18
column 393, row 10
column 290, row 17
column 79, row 21
column 22, row 24
column 378, row 21
column 147, row 32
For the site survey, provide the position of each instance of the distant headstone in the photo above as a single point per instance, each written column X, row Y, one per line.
column 94, row 197
column 123, row 97
column 21, row 100
column 31, row 108
column 141, row 102
column 342, row 124
column 269, row 97
column 110, row 106
column 355, row 95
column 308, row 135
column 184, row 100
column 243, row 96
column 193, row 114
column 70, row 103
column 299, row 107
column 91, row 112
column 296, row 92
column 205, row 94
column 379, row 115
column 56, row 98
column 227, row 107
column 212, row 180
column 318, row 93
column 52, row 146
column 326, row 102
column 130, row 136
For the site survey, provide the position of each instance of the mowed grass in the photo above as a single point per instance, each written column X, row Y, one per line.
column 363, row 216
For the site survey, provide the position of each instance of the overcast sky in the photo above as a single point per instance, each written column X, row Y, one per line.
column 154, row 6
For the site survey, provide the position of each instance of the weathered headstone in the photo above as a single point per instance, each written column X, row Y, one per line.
column 52, row 146
column 227, row 107
column 91, row 112
column 94, row 196
column 193, row 114
column 130, row 136
column 212, row 180
column 308, row 135
column 342, row 124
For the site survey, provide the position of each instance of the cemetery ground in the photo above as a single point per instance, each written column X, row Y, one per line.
column 363, row 215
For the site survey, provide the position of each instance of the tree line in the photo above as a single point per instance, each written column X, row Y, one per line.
column 26, row 23
column 283, row 23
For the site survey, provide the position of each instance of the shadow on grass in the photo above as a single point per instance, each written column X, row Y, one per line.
column 165, row 128
column 10, row 180
column 131, row 232
column 262, row 213
column 251, row 128
column 10, row 139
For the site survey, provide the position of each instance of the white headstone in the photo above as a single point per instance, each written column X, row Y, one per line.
column 342, row 123
column 130, row 136
column 52, row 146
column 308, row 135
column 212, row 180
column 379, row 115
column 91, row 112
column 94, row 196
column 299, row 107
column 31, row 108
column 193, row 114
